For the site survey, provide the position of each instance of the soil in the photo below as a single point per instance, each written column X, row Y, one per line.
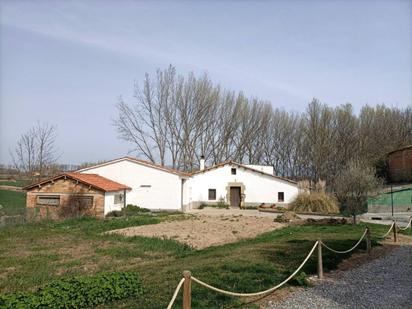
column 200, row 231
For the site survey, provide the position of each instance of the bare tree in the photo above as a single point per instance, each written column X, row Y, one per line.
column 36, row 150
column 177, row 118
column 25, row 154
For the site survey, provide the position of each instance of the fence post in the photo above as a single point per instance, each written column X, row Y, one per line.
column 395, row 232
column 368, row 240
column 320, row 264
column 187, row 290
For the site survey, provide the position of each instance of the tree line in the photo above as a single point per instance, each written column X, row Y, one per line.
column 175, row 119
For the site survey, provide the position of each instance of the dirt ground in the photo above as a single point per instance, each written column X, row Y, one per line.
column 201, row 231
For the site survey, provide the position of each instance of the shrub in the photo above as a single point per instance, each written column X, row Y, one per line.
column 77, row 292
column 315, row 202
column 131, row 209
column 128, row 211
column 115, row 213
column 221, row 203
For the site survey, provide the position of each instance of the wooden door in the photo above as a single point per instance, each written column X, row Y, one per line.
column 235, row 197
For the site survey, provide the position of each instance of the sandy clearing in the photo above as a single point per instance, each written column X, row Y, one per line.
column 201, row 231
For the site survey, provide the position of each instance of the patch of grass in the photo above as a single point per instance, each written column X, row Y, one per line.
column 80, row 247
column 16, row 183
column 12, row 202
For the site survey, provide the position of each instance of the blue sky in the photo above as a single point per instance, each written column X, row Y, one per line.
column 67, row 62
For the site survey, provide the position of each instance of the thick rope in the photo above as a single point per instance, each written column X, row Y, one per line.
column 346, row 251
column 405, row 228
column 390, row 229
column 258, row 293
column 175, row 293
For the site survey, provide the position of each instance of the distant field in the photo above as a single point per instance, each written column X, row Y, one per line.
column 12, row 202
column 15, row 183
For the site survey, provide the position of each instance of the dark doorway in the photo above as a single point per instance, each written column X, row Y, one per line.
column 235, row 197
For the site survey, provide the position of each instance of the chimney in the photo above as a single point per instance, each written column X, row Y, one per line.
column 202, row 163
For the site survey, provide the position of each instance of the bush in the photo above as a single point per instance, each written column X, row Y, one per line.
column 315, row 202
column 77, row 292
column 128, row 211
column 131, row 209
column 115, row 213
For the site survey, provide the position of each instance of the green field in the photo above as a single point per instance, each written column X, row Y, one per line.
column 32, row 255
column 12, row 202
column 15, row 183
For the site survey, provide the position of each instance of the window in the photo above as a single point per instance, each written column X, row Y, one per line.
column 212, row 194
column 118, row 198
column 281, row 196
column 53, row 200
column 82, row 203
column 233, row 171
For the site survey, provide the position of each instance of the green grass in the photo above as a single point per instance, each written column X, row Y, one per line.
column 33, row 254
column 16, row 183
column 12, row 202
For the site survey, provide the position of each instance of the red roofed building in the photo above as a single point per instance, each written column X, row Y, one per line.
column 75, row 194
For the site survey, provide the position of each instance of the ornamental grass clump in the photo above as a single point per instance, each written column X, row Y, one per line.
column 316, row 202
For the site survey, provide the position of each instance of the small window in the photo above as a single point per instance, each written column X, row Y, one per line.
column 53, row 200
column 118, row 198
column 281, row 196
column 233, row 171
column 212, row 194
column 82, row 202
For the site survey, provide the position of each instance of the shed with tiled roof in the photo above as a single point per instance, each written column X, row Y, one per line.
column 70, row 194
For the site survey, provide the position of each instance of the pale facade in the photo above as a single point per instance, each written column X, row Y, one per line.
column 251, row 187
column 152, row 186
column 158, row 188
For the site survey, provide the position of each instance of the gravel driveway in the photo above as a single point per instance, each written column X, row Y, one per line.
column 382, row 283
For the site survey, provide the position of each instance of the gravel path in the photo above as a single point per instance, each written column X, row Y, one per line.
column 383, row 283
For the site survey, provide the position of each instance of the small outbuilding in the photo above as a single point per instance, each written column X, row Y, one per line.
column 76, row 194
column 400, row 164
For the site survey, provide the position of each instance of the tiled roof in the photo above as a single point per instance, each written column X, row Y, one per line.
column 142, row 162
column 94, row 180
column 400, row 149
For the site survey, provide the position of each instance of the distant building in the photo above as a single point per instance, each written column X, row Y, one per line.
column 400, row 164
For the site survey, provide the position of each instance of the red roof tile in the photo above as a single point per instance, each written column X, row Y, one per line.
column 94, row 180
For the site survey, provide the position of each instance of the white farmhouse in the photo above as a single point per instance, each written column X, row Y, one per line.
column 152, row 186
column 238, row 185
column 156, row 187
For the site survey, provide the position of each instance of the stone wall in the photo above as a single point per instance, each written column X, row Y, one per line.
column 67, row 190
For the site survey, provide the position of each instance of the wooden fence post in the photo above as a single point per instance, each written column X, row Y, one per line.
column 320, row 264
column 368, row 240
column 187, row 290
column 395, row 232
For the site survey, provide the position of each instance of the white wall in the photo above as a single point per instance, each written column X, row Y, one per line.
column 263, row 168
column 164, row 191
column 109, row 204
column 259, row 188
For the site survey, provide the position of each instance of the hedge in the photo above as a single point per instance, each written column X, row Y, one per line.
column 77, row 292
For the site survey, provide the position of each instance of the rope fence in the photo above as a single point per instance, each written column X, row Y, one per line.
column 349, row 250
column 187, row 279
column 409, row 225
